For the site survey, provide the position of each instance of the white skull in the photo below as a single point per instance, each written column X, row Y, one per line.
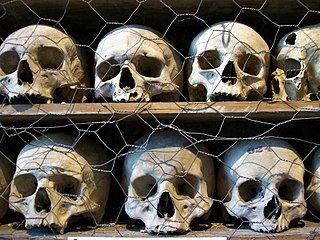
column 230, row 62
column 6, row 173
column 263, row 183
column 168, row 182
column 313, row 184
column 297, row 76
column 57, row 178
column 134, row 63
column 41, row 64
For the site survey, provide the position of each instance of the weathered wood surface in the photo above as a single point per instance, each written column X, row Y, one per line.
column 104, row 111
column 307, row 230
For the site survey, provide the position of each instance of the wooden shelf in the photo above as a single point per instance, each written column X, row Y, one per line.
column 303, row 230
column 79, row 112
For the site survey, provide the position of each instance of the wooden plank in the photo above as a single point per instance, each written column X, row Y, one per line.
column 57, row 114
column 310, row 230
column 96, row 109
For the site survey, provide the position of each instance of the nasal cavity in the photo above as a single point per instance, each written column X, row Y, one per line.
column 42, row 201
column 165, row 207
column 24, row 73
column 273, row 209
column 126, row 79
column 229, row 74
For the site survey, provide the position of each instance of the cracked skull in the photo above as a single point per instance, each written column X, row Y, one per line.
column 297, row 76
column 134, row 63
column 168, row 183
column 230, row 61
column 55, row 180
column 40, row 64
column 263, row 183
column 313, row 183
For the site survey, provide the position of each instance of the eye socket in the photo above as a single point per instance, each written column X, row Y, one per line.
column 250, row 190
column 67, row 185
column 108, row 69
column 289, row 189
column 50, row 57
column 188, row 185
column 250, row 64
column 9, row 62
column 148, row 66
column 209, row 60
column 292, row 68
column 26, row 184
column 145, row 187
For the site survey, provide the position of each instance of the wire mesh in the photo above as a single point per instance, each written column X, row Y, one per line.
column 112, row 138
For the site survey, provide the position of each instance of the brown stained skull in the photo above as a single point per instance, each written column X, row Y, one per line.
column 297, row 76
column 230, row 61
column 134, row 63
column 263, row 184
column 168, row 183
column 55, row 180
column 41, row 64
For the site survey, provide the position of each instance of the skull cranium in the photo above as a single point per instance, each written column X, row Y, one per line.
column 41, row 64
column 263, row 183
column 134, row 63
column 230, row 62
column 168, row 182
column 297, row 76
column 55, row 180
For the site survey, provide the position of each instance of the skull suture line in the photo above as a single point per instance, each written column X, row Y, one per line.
column 55, row 180
column 263, row 183
column 230, row 62
column 134, row 63
column 297, row 76
column 41, row 64
column 168, row 182
column 313, row 184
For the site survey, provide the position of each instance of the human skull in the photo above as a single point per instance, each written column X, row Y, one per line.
column 297, row 76
column 6, row 173
column 230, row 61
column 169, row 182
column 41, row 64
column 134, row 63
column 263, row 183
column 313, row 184
column 57, row 177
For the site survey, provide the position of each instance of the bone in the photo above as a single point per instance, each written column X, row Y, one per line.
column 59, row 176
column 134, row 63
column 230, row 61
column 168, row 182
column 263, row 183
column 297, row 75
column 40, row 64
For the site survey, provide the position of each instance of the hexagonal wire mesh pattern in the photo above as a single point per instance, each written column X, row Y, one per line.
column 146, row 118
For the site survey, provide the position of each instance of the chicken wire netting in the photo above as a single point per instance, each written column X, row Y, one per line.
column 147, row 118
